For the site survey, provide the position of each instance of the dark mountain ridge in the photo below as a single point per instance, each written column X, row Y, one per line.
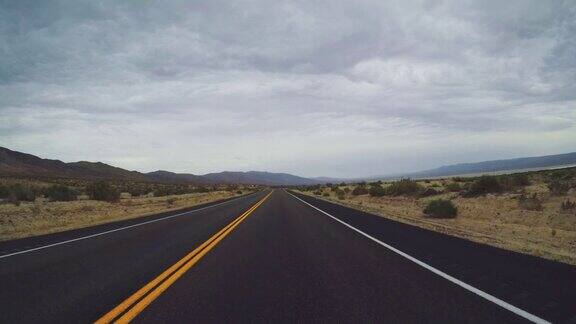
column 167, row 176
column 22, row 164
column 13, row 163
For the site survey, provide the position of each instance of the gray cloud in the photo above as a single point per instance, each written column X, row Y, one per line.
column 333, row 88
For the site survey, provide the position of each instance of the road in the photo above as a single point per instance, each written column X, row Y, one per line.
column 273, row 256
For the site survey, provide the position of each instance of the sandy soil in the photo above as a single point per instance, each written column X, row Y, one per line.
column 30, row 219
column 497, row 220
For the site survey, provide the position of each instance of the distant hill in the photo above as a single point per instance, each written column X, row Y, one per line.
column 500, row 165
column 167, row 176
column 229, row 177
column 15, row 163
column 103, row 170
column 258, row 177
column 22, row 164
column 331, row 180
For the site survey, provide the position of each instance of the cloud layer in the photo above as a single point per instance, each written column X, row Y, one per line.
column 309, row 87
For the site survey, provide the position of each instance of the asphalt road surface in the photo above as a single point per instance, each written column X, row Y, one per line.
column 274, row 256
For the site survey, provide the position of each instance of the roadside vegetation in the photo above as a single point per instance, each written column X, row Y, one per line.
column 31, row 207
column 441, row 208
column 531, row 212
column 15, row 190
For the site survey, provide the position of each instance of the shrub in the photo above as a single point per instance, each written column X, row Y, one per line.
column 563, row 174
column 238, row 192
column 530, row 202
column 60, row 193
column 19, row 192
column 341, row 195
column 201, row 189
column 170, row 201
column 314, row 188
column 403, row 187
column 4, row 192
column 103, row 191
column 453, row 187
column 512, row 182
column 376, row 191
column 441, row 208
column 326, row 194
column 568, row 205
column 137, row 192
column 521, row 179
column 559, row 187
column 318, row 193
column 12, row 199
column 160, row 192
column 359, row 190
column 484, row 185
column 428, row 192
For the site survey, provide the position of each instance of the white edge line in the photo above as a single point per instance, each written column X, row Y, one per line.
column 485, row 295
column 116, row 229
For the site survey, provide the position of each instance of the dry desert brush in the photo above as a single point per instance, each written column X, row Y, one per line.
column 530, row 202
column 404, row 187
column 568, row 206
column 103, row 191
column 441, row 208
column 484, row 185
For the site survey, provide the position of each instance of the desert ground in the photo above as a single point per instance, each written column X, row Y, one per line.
column 42, row 217
column 538, row 226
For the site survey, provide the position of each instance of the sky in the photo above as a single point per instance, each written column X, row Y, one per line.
column 314, row 88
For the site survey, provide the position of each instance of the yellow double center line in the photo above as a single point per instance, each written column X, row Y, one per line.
column 136, row 303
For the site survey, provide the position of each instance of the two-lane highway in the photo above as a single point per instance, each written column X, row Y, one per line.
column 267, row 257
column 289, row 263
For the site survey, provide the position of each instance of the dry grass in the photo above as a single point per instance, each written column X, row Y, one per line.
column 497, row 220
column 30, row 219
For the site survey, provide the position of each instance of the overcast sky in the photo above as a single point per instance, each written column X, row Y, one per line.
column 314, row 88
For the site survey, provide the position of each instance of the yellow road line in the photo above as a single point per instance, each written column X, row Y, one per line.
column 142, row 291
column 159, row 284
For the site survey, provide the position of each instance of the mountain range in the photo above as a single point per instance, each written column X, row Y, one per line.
column 13, row 163
column 534, row 162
